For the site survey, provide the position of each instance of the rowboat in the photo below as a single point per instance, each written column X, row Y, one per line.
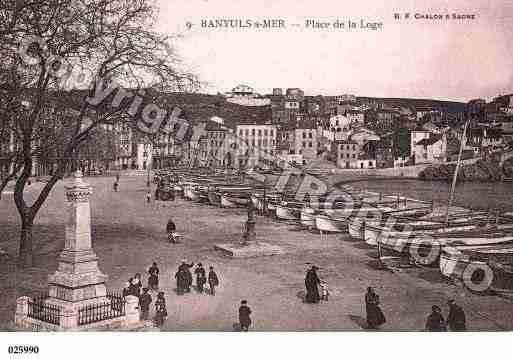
column 235, row 199
column 307, row 217
column 427, row 249
column 325, row 223
column 288, row 210
column 480, row 268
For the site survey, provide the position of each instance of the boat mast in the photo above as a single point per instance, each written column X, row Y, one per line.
column 455, row 177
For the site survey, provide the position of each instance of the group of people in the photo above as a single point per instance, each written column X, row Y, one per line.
column 134, row 287
column 374, row 315
column 456, row 320
column 184, row 278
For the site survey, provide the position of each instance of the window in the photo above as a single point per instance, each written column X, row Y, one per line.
column 347, row 155
column 354, row 155
column 259, row 132
column 304, row 134
column 253, row 132
column 354, row 147
column 341, row 155
column 370, row 164
column 310, row 144
column 347, row 147
column 247, row 133
column 265, row 132
column 310, row 135
column 304, row 144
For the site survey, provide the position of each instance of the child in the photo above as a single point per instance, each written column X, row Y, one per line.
column 160, row 310
column 148, row 196
column 144, row 304
column 325, row 292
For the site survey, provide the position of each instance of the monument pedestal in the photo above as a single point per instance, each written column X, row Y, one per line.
column 252, row 249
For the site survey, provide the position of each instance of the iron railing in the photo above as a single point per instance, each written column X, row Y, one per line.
column 113, row 308
column 39, row 309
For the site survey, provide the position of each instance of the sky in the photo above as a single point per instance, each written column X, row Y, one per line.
column 449, row 59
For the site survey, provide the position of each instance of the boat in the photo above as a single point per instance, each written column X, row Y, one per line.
column 480, row 268
column 325, row 223
column 235, row 199
column 289, row 210
column 307, row 217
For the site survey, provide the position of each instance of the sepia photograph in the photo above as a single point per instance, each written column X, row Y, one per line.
column 221, row 166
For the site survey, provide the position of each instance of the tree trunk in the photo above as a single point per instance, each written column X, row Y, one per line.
column 25, row 256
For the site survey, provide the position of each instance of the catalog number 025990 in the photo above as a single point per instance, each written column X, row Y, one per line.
column 23, row 349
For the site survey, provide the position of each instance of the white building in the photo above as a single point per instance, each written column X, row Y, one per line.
column 245, row 96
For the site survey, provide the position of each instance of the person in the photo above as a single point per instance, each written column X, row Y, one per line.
column 456, row 319
column 126, row 289
column 201, row 277
column 435, row 321
column 375, row 316
column 311, row 283
column 144, row 304
column 116, row 186
column 148, row 196
column 184, row 277
column 171, row 229
column 117, row 177
column 244, row 316
column 325, row 291
column 160, row 310
column 213, row 281
column 153, row 280
column 137, row 285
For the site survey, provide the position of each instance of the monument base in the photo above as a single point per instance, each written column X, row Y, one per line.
column 250, row 250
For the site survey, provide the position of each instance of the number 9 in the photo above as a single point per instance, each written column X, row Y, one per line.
column 188, row 24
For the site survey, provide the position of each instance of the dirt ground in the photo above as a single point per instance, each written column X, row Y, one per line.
column 129, row 234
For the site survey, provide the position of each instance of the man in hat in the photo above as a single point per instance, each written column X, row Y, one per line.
column 312, row 282
column 201, row 277
column 435, row 321
column 244, row 316
column 184, row 277
column 213, row 281
column 144, row 304
column 456, row 318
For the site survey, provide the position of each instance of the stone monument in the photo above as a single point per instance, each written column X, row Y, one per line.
column 78, row 280
column 248, row 246
column 77, row 297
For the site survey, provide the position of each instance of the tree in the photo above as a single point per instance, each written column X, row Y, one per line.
column 68, row 65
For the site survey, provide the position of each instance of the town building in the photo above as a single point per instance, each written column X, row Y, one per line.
column 430, row 149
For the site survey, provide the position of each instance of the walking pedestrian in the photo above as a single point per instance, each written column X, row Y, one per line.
column 201, row 277
column 311, row 283
column 144, row 304
column 375, row 316
column 456, row 319
column 213, row 280
column 160, row 310
column 244, row 316
column 184, row 278
column 435, row 321
column 148, row 196
column 116, row 186
column 153, row 280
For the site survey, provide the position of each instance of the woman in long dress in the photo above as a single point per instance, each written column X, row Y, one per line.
column 160, row 310
column 312, row 282
column 375, row 316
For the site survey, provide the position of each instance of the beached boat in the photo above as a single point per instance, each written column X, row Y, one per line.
column 330, row 224
column 289, row 210
column 235, row 199
column 307, row 217
column 480, row 268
